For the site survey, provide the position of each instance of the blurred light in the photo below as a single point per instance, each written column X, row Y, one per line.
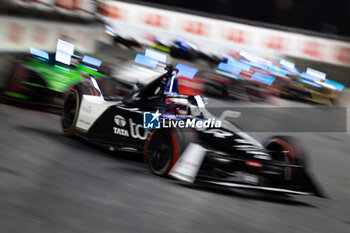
column 110, row 30
column 262, row 63
column 92, row 61
column 64, row 50
column 159, row 40
column 186, row 44
column 310, row 77
column 310, row 83
column 229, row 68
column 143, row 69
column 246, row 55
column 326, row 85
column 240, row 65
column 336, row 85
column 180, row 39
column 63, row 57
column 191, row 45
column 182, row 48
column 186, row 71
column 316, row 74
column 226, row 74
column 287, row 64
column 277, row 70
column 251, row 163
column 146, row 61
column 159, row 56
column 263, row 78
column 94, row 69
column 39, row 53
column 66, row 47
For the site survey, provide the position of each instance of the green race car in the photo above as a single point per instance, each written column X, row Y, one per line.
column 41, row 79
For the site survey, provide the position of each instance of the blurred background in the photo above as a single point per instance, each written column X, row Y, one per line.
column 283, row 63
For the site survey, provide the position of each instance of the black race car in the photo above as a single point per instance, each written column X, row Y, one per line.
column 209, row 150
column 183, row 49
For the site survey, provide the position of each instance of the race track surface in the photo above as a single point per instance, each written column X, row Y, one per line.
column 50, row 183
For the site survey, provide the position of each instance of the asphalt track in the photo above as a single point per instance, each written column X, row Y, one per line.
column 50, row 183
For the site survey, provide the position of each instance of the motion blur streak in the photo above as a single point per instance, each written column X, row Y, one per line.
column 268, row 79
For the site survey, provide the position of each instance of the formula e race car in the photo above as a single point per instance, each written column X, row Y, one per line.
column 183, row 49
column 311, row 85
column 41, row 79
column 179, row 137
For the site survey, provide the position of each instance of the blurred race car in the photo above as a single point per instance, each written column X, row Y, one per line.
column 228, row 81
column 138, row 72
column 41, row 78
column 311, row 85
column 121, row 40
column 212, row 151
column 183, row 49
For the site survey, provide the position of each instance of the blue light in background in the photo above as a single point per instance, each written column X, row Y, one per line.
column 310, row 83
column 110, row 29
column 268, row 80
column 39, row 53
column 315, row 73
column 92, row 61
column 146, row 61
column 159, row 40
column 94, row 69
column 229, row 68
column 337, row 86
column 287, row 64
column 228, row 74
column 156, row 55
column 186, row 44
column 186, row 71
column 310, row 77
column 63, row 57
column 261, row 63
column 246, row 55
column 277, row 70
column 240, row 65
column 182, row 48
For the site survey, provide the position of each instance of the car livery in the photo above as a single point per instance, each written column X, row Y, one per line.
column 216, row 152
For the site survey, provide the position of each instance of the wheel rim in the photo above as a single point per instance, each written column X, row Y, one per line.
column 69, row 110
column 161, row 156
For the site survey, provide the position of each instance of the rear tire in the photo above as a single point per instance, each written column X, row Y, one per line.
column 286, row 149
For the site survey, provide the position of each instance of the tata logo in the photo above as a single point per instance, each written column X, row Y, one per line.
column 151, row 120
column 119, row 120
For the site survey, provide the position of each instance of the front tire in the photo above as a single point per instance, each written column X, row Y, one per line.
column 70, row 111
column 163, row 148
